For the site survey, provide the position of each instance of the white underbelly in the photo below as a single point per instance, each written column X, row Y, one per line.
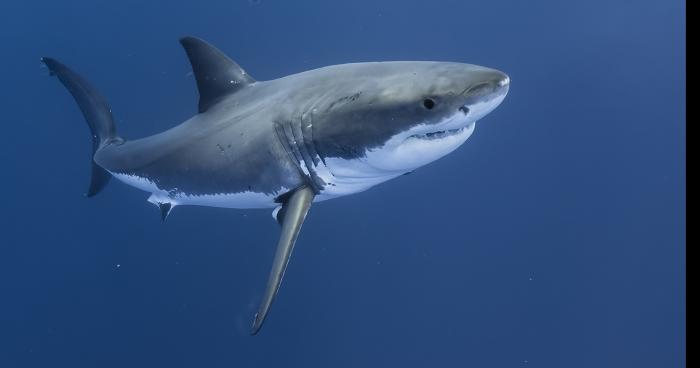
column 240, row 200
column 350, row 177
column 344, row 177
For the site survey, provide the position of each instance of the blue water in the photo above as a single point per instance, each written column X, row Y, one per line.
column 555, row 237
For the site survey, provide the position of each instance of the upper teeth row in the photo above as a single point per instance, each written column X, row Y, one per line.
column 438, row 134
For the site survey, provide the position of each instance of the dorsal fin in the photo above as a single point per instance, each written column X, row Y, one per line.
column 217, row 75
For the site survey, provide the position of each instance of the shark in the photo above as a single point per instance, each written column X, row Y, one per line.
column 287, row 143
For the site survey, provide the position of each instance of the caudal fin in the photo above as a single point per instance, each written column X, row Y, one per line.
column 98, row 116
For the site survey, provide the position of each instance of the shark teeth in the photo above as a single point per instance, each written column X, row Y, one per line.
column 438, row 134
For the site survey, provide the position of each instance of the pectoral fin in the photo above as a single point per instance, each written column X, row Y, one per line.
column 295, row 209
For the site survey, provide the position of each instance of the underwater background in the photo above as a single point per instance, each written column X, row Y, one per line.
column 555, row 237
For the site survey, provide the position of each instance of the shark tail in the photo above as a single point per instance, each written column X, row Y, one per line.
column 98, row 116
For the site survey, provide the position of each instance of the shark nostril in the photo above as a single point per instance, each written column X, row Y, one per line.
column 464, row 110
column 480, row 89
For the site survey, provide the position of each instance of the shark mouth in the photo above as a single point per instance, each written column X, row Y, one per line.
column 440, row 134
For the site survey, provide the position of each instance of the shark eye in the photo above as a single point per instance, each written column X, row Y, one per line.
column 429, row 103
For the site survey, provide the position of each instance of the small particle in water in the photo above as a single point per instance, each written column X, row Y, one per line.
column 118, row 265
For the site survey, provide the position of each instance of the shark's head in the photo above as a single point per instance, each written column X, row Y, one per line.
column 385, row 119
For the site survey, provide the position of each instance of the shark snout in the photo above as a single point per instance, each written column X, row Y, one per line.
column 483, row 97
column 494, row 83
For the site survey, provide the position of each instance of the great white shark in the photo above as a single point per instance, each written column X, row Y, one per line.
column 286, row 143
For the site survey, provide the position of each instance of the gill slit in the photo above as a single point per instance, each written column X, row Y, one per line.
column 292, row 138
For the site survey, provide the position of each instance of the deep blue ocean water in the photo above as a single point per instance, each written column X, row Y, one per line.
column 555, row 237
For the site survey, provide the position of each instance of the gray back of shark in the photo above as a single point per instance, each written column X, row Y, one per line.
column 288, row 142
